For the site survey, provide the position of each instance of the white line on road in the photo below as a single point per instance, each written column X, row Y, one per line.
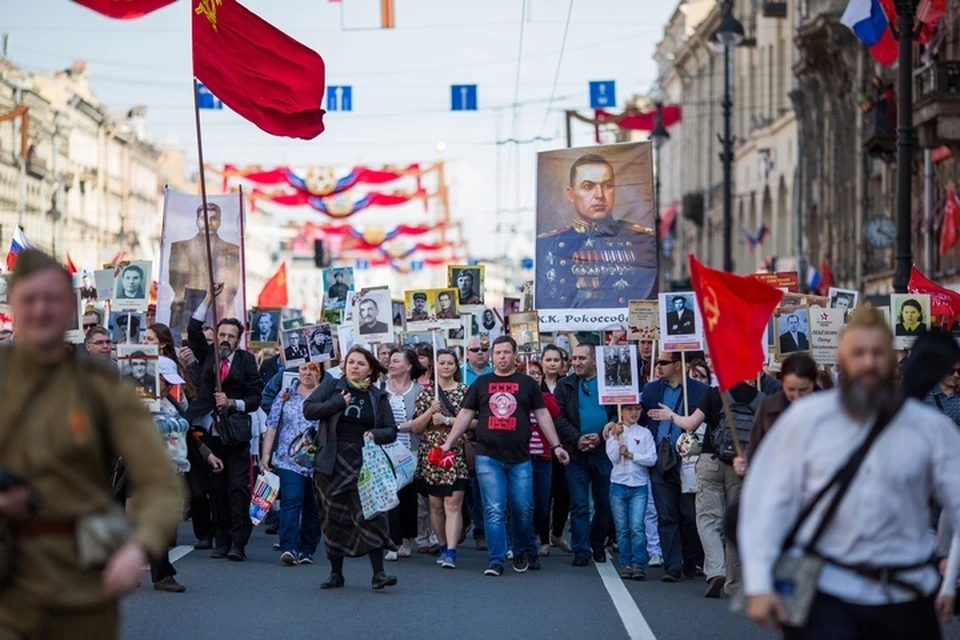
column 178, row 552
column 634, row 622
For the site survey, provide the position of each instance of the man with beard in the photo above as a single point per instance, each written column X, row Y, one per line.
column 239, row 390
column 878, row 579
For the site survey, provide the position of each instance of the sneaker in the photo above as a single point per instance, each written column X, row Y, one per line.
column 481, row 544
column 509, row 555
column 656, row 560
column 520, row 563
column 533, row 562
column 441, row 557
column 305, row 558
column 639, row 573
column 544, row 550
column 626, row 573
column 562, row 544
column 169, row 585
column 448, row 562
column 391, row 556
column 288, row 558
column 276, row 546
column 494, row 570
column 714, row 587
column 404, row 551
column 671, row 577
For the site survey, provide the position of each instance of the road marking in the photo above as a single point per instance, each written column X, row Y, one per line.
column 178, row 552
column 634, row 622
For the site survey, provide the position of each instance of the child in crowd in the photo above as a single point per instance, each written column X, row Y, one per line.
column 631, row 449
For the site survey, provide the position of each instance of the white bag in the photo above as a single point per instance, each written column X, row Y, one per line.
column 403, row 461
column 265, row 492
column 376, row 483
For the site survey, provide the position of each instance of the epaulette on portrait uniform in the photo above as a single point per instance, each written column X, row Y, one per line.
column 639, row 228
column 555, row 232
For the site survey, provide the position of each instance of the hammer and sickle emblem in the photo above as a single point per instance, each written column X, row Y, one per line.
column 710, row 307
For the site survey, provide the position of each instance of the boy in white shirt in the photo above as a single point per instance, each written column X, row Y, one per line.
column 631, row 449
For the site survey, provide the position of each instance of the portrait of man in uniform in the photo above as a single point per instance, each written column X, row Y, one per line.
column 339, row 284
column 418, row 310
column 586, row 256
column 295, row 350
column 468, row 282
column 141, row 374
column 446, row 308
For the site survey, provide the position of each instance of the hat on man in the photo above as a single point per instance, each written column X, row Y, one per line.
column 31, row 261
column 167, row 369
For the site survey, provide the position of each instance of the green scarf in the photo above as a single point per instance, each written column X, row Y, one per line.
column 358, row 386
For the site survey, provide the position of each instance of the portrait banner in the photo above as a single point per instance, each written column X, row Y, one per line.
column 265, row 324
column 184, row 279
column 126, row 327
column 373, row 315
column 643, row 321
column 791, row 326
column 617, row 377
column 596, row 247
column 525, row 330
column 470, row 283
column 337, row 287
column 845, row 299
column 131, row 288
column 429, row 309
column 681, row 325
column 825, row 328
column 909, row 318
column 137, row 364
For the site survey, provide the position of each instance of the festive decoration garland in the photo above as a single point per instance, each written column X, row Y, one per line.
column 321, row 181
column 342, row 205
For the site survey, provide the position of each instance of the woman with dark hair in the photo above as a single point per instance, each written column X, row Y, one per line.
column 350, row 410
column 699, row 370
column 402, row 390
column 384, row 350
column 424, row 351
column 551, row 361
column 910, row 319
column 552, row 365
column 445, row 487
column 160, row 335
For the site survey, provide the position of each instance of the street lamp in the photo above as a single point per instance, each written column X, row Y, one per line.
column 728, row 35
column 659, row 136
column 903, row 258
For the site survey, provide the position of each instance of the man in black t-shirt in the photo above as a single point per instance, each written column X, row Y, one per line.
column 502, row 402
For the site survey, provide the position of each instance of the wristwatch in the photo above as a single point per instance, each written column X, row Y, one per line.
column 556, row 446
column 447, row 420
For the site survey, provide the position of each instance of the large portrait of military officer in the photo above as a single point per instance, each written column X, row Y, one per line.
column 183, row 257
column 596, row 247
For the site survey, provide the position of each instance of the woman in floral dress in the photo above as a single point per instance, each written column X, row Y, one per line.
column 433, row 419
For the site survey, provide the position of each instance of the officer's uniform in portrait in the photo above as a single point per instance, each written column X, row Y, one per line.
column 188, row 270
column 601, row 265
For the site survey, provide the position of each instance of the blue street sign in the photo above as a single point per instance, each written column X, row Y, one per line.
column 463, row 97
column 416, row 265
column 602, row 94
column 340, row 98
column 526, row 263
column 206, row 100
column 362, row 264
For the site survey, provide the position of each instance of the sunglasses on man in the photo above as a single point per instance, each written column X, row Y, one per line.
column 89, row 325
column 665, row 363
column 477, row 349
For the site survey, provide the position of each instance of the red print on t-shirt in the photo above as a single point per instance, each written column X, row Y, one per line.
column 502, row 406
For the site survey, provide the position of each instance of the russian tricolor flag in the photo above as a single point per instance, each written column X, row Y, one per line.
column 871, row 25
column 18, row 245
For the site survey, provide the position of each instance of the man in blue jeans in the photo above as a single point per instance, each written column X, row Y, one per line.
column 502, row 402
column 580, row 423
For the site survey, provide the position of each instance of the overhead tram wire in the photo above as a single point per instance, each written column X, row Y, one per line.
column 556, row 75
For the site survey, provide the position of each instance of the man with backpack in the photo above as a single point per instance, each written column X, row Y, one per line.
column 718, row 484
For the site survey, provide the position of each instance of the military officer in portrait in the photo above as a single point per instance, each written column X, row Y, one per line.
column 597, row 261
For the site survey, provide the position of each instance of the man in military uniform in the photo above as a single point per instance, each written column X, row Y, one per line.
column 446, row 309
column 337, row 293
column 62, row 423
column 419, row 312
column 188, row 270
column 597, row 262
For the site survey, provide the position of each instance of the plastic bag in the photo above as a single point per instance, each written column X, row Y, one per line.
column 376, row 483
column 265, row 492
column 404, row 463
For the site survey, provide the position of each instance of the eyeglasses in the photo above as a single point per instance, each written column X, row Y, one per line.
column 477, row 349
column 665, row 363
column 90, row 325
column 101, row 343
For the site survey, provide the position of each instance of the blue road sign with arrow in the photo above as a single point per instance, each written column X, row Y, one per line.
column 602, row 94
column 340, row 98
column 463, row 97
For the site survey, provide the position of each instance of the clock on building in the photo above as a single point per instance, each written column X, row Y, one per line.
column 880, row 232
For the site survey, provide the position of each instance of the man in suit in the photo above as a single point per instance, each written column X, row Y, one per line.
column 680, row 320
column 145, row 383
column 266, row 329
column 240, row 390
column 793, row 339
column 369, row 325
column 296, row 350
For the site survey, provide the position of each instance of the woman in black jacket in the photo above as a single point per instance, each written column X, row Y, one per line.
column 350, row 410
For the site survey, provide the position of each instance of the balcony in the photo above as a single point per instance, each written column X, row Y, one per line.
column 936, row 104
column 878, row 131
column 36, row 167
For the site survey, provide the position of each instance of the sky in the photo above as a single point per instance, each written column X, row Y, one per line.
column 512, row 49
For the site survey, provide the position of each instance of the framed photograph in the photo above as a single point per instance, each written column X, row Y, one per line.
column 75, row 332
column 86, row 283
column 293, row 323
column 417, row 309
column 617, row 377
column 137, row 364
column 295, row 348
column 337, row 286
column 681, row 327
column 126, row 327
column 333, row 316
column 399, row 308
column 131, row 288
column 845, row 299
column 792, row 328
column 469, row 282
column 825, row 328
column 264, row 325
column 525, row 329
column 443, row 307
column 909, row 318
column 486, row 325
column 511, row 306
column 373, row 316
column 319, row 342
column 643, row 320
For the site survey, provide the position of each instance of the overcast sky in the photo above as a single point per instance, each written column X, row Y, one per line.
column 401, row 85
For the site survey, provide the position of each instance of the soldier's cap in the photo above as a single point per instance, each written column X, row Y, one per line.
column 33, row 261
column 420, row 296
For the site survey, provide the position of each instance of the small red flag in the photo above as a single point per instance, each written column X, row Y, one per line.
column 827, row 279
column 274, row 293
column 124, row 9
column 735, row 312
column 943, row 302
column 71, row 268
column 257, row 70
column 948, row 229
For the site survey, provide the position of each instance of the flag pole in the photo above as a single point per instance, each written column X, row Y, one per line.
column 206, row 231
column 730, row 420
column 683, row 373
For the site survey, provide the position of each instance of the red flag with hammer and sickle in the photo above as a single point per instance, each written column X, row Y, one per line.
column 735, row 312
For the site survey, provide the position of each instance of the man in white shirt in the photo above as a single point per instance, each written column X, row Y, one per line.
column 882, row 525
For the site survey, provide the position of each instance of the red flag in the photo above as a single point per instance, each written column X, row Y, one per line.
column 274, row 293
column 827, row 279
column 71, row 268
column 943, row 302
column 124, row 9
column 948, row 229
column 257, row 70
column 735, row 312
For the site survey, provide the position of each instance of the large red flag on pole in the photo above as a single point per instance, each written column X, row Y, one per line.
column 735, row 312
column 943, row 302
column 124, row 9
column 274, row 293
column 257, row 70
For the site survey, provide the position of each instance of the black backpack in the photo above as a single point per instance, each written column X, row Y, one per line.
column 724, row 434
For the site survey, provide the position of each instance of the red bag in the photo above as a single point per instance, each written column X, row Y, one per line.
column 438, row 458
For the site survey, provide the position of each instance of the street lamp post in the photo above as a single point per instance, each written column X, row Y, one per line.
column 903, row 259
column 659, row 136
column 728, row 35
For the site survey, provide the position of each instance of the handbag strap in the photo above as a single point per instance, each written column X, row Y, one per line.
column 446, row 402
column 842, row 479
column 936, row 399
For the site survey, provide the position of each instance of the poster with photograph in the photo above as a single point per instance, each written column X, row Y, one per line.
column 486, row 326
column 184, row 277
column 681, row 327
column 75, row 331
column 320, row 342
column 345, row 339
column 457, row 337
column 103, row 280
column 337, row 287
column 264, row 323
column 469, row 282
column 432, row 309
column 510, row 306
column 525, row 330
column 909, row 318
column 617, row 378
column 131, row 289
column 825, row 328
column 295, row 348
column 399, row 308
column 333, row 316
column 137, row 364
column 373, row 316
column 293, row 323
column 643, row 320
column 792, row 328
column 596, row 248
column 123, row 325
column 845, row 299
column 85, row 282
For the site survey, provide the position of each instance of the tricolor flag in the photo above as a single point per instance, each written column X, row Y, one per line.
column 866, row 18
column 18, row 245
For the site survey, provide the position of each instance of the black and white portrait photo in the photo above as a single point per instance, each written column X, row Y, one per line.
column 137, row 364
column 337, row 285
column 617, row 379
column 792, row 330
column 124, row 325
column 373, row 316
column 845, row 299
column 910, row 318
column 399, row 314
column 681, row 320
column 468, row 281
column 132, row 287
column 264, row 326
column 320, row 342
column 295, row 349
column 88, row 288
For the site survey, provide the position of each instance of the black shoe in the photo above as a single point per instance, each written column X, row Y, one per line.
column 203, row 544
column 273, row 529
column 520, row 563
column 581, row 561
column 639, row 573
column 236, row 553
column 382, row 580
column 533, row 562
column 671, row 577
column 626, row 573
column 220, row 553
column 714, row 587
column 600, row 555
column 494, row 570
column 335, row 581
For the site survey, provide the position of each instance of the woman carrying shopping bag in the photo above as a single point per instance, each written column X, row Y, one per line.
column 350, row 410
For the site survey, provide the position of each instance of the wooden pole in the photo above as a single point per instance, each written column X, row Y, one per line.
column 436, row 376
column 730, row 420
column 686, row 402
column 129, row 316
